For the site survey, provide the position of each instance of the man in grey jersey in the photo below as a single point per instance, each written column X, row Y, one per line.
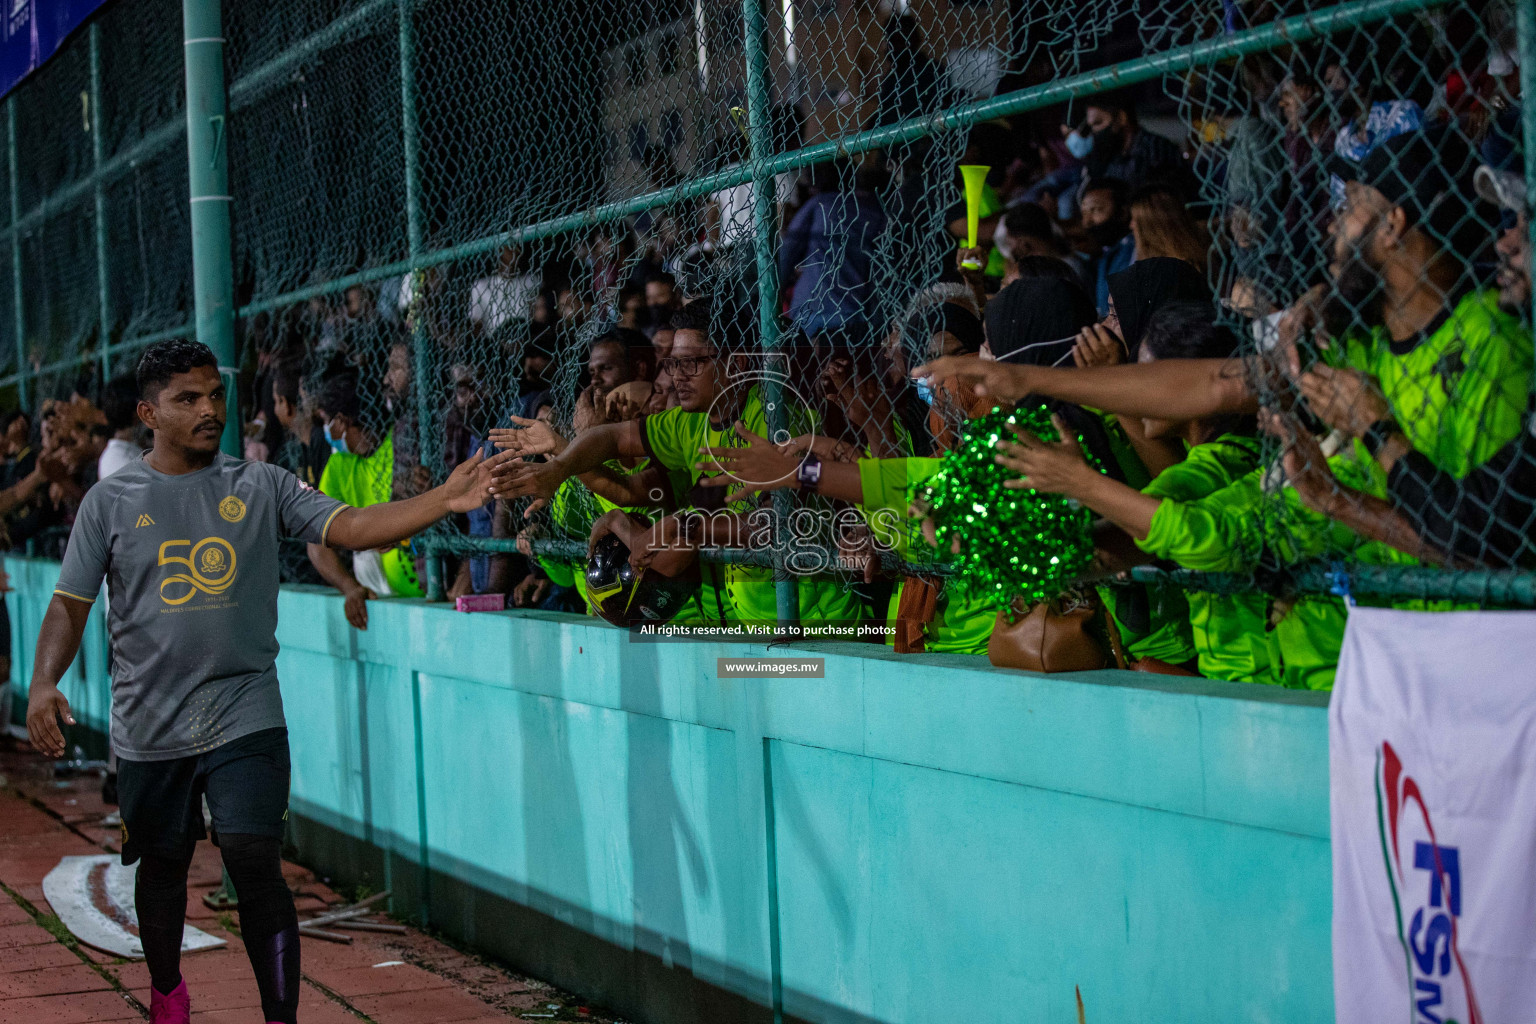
column 187, row 540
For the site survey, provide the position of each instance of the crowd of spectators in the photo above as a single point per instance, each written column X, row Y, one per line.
column 1339, row 263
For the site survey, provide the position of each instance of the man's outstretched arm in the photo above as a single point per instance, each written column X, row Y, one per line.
column 513, row 478
column 1182, row 389
column 389, row 523
column 58, row 641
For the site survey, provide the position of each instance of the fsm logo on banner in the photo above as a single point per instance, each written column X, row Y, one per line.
column 1424, row 873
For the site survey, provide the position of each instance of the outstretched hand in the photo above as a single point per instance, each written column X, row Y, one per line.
column 469, row 485
column 1347, row 400
column 1006, row 382
column 529, row 437
column 510, row 477
column 760, row 466
column 1056, row 467
column 1306, row 467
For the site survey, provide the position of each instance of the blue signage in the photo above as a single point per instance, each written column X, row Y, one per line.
column 33, row 31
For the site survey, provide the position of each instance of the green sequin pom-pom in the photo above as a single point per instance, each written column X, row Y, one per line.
column 1014, row 544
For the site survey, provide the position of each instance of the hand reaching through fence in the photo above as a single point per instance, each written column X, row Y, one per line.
column 528, row 437
column 1347, row 400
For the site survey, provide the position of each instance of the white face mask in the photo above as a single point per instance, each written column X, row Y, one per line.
column 1079, row 145
column 1000, row 241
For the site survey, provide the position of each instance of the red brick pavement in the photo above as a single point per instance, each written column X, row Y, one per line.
column 44, row 980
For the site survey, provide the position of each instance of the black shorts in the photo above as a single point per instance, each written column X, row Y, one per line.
column 245, row 780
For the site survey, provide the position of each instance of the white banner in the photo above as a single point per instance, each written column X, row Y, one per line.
column 1432, row 761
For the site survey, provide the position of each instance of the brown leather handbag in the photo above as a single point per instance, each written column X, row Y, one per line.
column 1053, row 636
column 914, row 610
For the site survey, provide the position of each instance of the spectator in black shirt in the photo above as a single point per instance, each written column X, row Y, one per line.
column 305, row 449
column 1123, row 150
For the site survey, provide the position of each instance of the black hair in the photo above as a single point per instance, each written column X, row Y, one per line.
column 662, row 277
column 1028, row 220
column 728, row 335
column 695, row 316
column 1113, row 103
column 165, row 359
column 1053, row 267
column 12, row 417
column 338, row 396
column 285, row 383
column 631, row 339
column 120, row 403
column 1186, row 329
column 1118, row 190
column 628, row 340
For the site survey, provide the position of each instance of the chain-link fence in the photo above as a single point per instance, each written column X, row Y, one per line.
column 480, row 211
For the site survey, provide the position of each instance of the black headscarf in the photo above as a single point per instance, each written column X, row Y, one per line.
column 955, row 319
column 1036, row 320
column 1142, row 288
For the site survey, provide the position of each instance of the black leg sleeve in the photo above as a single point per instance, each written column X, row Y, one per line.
column 269, row 926
column 160, row 898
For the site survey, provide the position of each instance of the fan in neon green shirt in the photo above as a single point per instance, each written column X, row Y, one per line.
column 1459, row 389
column 677, row 439
column 1455, row 371
column 1203, row 512
column 1229, row 630
column 705, row 356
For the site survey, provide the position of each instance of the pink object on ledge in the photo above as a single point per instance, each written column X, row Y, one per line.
column 481, row 603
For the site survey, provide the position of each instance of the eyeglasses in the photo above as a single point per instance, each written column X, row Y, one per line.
column 684, row 366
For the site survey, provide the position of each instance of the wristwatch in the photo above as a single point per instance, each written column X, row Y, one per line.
column 808, row 476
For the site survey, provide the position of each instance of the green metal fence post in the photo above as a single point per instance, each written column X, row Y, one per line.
column 213, row 282
column 17, row 311
column 1525, row 26
column 765, row 223
column 420, row 337
column 103, row 298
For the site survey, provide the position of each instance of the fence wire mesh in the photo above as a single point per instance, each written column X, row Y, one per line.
column 473, row 212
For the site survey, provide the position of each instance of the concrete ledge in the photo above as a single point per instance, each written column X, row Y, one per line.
column 907, row 839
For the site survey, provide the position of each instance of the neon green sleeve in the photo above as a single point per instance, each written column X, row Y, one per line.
column 1206, row 469
column 888, row 483
column 1485, row 408
column 673, row 437
column 887, row 491
column 1217, row 533
column 560, row 573
column 331, row 483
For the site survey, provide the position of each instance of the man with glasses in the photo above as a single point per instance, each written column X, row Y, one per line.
column 716, row 389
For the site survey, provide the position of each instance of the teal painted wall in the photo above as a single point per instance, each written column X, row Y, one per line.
column 945, row 841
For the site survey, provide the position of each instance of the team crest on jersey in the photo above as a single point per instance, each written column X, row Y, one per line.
column 232, row 508
column 209, row 569
column 144, row 520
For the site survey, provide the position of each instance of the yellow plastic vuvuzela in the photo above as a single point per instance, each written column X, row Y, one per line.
column 975, row 176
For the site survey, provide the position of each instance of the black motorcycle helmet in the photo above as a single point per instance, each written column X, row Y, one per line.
column 630, row 597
